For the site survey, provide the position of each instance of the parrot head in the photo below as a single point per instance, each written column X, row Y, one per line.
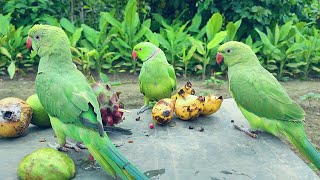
column 144, row 51
column 233, row 52
column 42, row 38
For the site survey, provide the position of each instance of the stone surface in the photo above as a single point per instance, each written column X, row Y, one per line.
column 219, row 152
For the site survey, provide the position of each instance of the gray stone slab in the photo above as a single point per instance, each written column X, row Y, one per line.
column 219, row 152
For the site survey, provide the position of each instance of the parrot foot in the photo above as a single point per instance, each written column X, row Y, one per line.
column 143, row 109
column 76, row 146
column 58, row 147
column 249, row 132
column 90, row 164
column 68, row 145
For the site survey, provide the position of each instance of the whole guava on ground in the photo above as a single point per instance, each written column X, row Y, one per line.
column 40, row 117
column 46, row 163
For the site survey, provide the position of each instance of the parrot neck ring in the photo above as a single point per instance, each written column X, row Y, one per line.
column 154, row 54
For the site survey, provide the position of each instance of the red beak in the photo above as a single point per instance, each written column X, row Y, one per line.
column 134, row 55
column 29, row 44
column 219, row 58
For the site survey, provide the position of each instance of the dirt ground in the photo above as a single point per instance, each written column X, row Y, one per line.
column 24, row 87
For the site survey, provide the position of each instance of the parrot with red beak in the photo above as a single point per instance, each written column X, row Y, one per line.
column 67, row 97
column 157, row 78
column 262, row 100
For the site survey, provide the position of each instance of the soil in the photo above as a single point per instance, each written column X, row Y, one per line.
column 133, row 99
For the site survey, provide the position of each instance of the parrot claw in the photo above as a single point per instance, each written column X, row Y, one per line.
column 76, row 146
column 143, row 109
column 58, row 147
column 249, row 132
column 68, row 145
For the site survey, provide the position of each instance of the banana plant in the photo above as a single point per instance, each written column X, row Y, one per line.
column 185, row 56
column 129, row 33
column 172, row 38
column 12, row 47
column 207, row 46
column 306, row 53
column 274, row 46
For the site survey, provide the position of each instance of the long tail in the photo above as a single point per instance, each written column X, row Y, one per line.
column 109, row 157
column 299, row 139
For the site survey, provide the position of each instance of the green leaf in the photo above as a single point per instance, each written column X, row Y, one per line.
column 295, row 65
column 90, row 34
column 5, row 52
column 152, row 37
column 171, row 35
column 76, row 36
column 123, row 43
column 213, row 25
column 67, row 25
column 144, row 28
column 104, row 78
column 218, row 38
column 276, row 34
column 191, row 52
column 131, row 18
column 50, row 20
column 111, row 20
column 295, row 47
column 284, row 30
column 163, row 41
column 265, row 40
column 231, row 29
column 315, row 69
column 5, row 25
column 11, row 69
column 249, row 41
column 196, row 21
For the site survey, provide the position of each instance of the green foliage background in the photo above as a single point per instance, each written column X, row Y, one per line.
column 284, row 34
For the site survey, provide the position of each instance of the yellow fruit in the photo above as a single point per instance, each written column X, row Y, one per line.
column 211, row 104
column 40, row 117
column 188, row 106
column 187, row 88
column 162, row 111
column 46, row 163
column 15, row 116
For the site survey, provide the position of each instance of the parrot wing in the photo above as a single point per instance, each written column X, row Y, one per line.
column 260, row 93
column 75, row 98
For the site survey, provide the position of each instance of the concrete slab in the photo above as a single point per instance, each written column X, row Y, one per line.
column 219, row 152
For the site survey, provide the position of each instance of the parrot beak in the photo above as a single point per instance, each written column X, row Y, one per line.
column 219, row 58
column 29, row 44
column 134, row 55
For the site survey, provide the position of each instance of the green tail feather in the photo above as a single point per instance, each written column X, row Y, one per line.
column 110, row 158
column 299, row 139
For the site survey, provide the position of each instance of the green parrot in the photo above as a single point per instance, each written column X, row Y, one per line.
column 262, row 100
column 157, row 79
column 70, row 102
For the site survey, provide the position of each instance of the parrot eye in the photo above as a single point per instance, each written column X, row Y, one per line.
column 228, row 50
column 37, row 37
column 140, row 49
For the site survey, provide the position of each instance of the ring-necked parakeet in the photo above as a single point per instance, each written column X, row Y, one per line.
column 70, row 102
column 262, row 100
column 157, row 79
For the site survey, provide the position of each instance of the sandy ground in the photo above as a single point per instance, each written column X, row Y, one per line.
column 24, row 87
